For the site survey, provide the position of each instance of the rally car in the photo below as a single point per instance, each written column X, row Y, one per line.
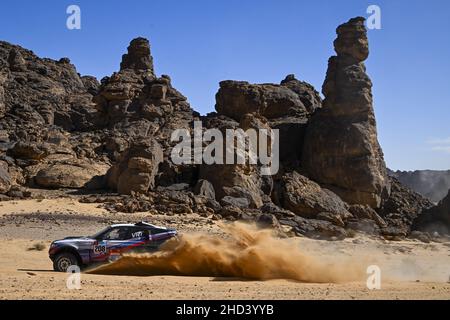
column 108, row 245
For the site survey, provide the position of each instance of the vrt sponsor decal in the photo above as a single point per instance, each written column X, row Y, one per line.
column 138, row 234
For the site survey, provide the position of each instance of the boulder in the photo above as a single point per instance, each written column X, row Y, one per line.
column 237, row 98
column 72, row 174
column 239, row 181
column 335, row 219
column 306, row 198
column 265, row 220
column 137, row 167
column 170, row 174
column 231, row 213
column 30, row 150
column 366, row 212
column 236, row 180
column 341, row 149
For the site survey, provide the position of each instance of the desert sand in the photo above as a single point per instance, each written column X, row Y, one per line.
column 409, row 269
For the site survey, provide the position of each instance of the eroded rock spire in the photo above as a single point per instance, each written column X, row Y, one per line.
column 341, row 148
column 138, row 57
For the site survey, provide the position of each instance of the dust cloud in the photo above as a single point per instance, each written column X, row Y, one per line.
column 245, row 253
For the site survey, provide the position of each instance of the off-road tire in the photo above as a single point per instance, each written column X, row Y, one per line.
column 64, row 260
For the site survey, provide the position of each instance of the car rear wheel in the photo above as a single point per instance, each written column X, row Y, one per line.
column 63, row 261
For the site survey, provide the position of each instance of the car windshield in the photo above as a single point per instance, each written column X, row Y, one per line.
column 98, row 234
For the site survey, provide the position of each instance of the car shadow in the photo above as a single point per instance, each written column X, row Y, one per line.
column 34, row 270
column 232, row 279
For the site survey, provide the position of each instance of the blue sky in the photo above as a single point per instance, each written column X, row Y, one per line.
column 201, row 42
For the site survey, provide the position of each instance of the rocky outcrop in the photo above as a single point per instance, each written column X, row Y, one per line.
column 47, row 123
column 237, row 181
column 307, row 199
column 341, row 149
column 139, row 105
column 307, row 94
column 42, row 91
column 236, row 98
column 72, row 174
column 436, row 219
column 138, row 57
column 286, row 107
column 401, row 209
column 137, row 168
column 59, row 129
column 136, row 102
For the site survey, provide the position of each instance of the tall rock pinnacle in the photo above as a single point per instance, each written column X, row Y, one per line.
column 341, row 148
column 138, row 57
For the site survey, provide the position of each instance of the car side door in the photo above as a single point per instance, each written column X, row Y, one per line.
column 100, row 250
column 119, row 242
column 140, row 238
column 108, row 245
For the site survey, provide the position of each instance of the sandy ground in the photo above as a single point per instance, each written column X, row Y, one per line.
column 410, row 269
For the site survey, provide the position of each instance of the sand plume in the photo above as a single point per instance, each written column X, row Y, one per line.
column 246, row 253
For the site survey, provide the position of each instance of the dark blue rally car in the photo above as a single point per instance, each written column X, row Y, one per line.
column 108, row 245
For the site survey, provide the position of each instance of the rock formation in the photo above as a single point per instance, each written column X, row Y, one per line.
column 307, row 199
column 138, row 57
column 41, row 91
column 291, row 98
column 341, row 149
column 72, row 174
column 60, row 130
column 436, row 219
column 139, row 105
column 137, row 167
column 401, row 209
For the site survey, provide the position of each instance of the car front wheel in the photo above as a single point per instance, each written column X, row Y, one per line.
column 63, row 261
